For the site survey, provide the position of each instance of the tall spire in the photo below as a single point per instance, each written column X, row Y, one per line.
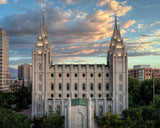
column 40, row 32
column 43, row 25
column 116, row 33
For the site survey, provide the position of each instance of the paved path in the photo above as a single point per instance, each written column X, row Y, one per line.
column 26, row 112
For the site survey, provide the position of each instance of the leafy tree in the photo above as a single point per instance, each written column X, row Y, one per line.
column 110, row 121
column 8, row 119
column 54, row 120
column 134, row 91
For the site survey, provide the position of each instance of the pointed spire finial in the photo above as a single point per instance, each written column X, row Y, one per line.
column 116, row 32
column 43, row 25
column 43, row 14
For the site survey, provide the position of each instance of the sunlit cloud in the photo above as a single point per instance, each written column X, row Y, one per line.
column 128, row 23
column 71, row 1
column 3, row 1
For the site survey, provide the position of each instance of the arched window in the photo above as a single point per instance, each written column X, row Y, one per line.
column 52, row 75
column 99, row 74
column 107, row 74
column 75, row 87
column 83, row 87
column 91, row 95
column 38, row 108
column 67, row 95
column 91, row 87
column 67, row 75
column 68, row 88
column 107, row 95
column 75, row 95
column 99, row 95
column 52, row 95
column 40, row 87
column 40, row 98
column 40, row 66
column 40, row 77
column 109, row 108
column 83, row 74
column 58, row 109
column 120, row 87
column 120, row 98
column 49, row 109
column 107, row 86
column 75, row 74
column 99, row 87
column 100, row 110
column 91, row 75
column 60, row 87
column 52, row 86
column 120, row 108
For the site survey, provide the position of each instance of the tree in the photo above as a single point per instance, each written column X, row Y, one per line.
column 53, row 120
column 110, row 121
column 8, row 119
column 134, row 91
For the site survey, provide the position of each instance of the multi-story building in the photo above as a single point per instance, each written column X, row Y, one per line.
column 141, row 72
column 156, row 73
column 4, row 61
column 70, row 87
column 25, row 73
column 14, row 85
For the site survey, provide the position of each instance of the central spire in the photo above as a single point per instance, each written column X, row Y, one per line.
column 43, row 25
column 116, row 33
column 43, row 32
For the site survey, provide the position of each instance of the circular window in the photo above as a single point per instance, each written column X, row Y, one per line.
column 75, row 95
column 99, row 75
column 83, row 75
column 107, row 75
column 60, row 95
column 67, row 74
column 52, row 75
column 99, row 95
column 75, row 74
column 60, row 75
column 91, row 75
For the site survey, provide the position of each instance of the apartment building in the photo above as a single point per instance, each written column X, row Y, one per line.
column 4, row 61
column 25, row 74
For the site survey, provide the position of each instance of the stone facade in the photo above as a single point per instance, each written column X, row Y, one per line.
column 105, row 85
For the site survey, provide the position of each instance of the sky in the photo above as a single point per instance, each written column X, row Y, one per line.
column 80, row 30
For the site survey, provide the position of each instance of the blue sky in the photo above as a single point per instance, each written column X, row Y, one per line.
column 80, row 30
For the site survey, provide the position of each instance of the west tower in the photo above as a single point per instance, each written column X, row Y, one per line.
column 42, row 60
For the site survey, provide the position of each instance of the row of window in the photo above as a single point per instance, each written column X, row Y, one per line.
column 83, row 87
column 83, row 95
column 83, row 75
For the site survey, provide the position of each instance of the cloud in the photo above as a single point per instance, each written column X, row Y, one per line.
column 102, row 2
column 128, row 23
column 71, row 33
column 119, row 7
column 71, row 1
column 42, row 3
column 3, row 1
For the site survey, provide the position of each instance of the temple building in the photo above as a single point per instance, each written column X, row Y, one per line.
column 79, row 90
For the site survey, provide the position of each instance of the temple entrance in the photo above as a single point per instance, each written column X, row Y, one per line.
column 79, row 120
